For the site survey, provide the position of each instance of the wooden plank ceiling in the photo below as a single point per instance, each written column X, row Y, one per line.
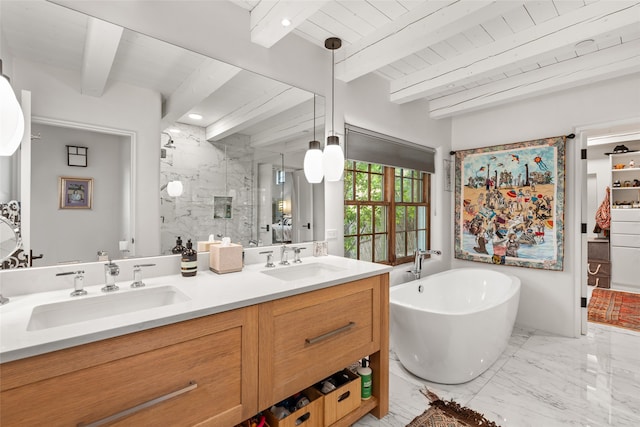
column 459, row 55
column 465, row 55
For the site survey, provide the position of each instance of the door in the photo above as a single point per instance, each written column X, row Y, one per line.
column 264, row 203
column 302, row 208
column 25, row 176
column 582, row 181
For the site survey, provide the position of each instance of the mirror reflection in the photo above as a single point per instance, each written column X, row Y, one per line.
column 8, row 239
column 149, row 113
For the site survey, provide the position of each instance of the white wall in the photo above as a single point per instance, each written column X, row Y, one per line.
column 548, row 299
column 63, row 235
column 55, row 95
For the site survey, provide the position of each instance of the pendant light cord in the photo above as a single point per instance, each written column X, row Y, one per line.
column 333, row 96
column 314, row 116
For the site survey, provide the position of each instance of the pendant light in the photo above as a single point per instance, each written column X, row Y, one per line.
column 11, row 118
column 313, row 157
column 333, row 157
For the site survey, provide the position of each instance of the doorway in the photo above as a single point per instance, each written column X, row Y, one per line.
column 600, row 264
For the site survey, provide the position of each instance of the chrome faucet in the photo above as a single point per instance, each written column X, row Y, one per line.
column 417, row 262
column 111, row 270
column 137, row 275
column 269, row 258
column 296, row 255
column 283, row 255
column 78, row 282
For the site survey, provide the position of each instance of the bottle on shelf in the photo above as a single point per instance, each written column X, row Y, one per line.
column 189, row 261
column 365, row 373
column 178, row 248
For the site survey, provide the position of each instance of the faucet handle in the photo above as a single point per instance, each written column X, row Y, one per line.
column 283, row 254
column 296, row 254
column 78, row 282
column 137, row 275
column 269, row 258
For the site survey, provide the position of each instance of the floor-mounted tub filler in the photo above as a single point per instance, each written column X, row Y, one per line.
column 452, row 326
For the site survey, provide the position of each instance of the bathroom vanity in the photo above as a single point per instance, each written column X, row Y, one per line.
column 216, row 368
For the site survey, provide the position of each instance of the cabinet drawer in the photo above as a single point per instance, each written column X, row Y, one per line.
column 626, row 262
column 214, row 362
column 626, row 227
column 628, row 240
column 308, row 337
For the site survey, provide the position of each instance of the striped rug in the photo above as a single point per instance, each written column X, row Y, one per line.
column 616, row 308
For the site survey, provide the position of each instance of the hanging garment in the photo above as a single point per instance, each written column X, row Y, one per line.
column 603, row 214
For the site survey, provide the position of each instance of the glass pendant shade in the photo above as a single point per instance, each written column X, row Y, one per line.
column 174, row 188
column 333, row 159
column 11, row 119
column 313, row 163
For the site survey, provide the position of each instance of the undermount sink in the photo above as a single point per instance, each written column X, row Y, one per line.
column 302, row 271
column 79, row 310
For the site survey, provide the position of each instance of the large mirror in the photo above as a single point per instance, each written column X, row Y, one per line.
column 131, row 113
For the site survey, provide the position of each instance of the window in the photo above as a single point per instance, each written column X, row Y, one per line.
column 386, row 212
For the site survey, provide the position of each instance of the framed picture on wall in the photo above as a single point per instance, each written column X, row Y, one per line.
column 75, row 193
column 510, row 204
column 77, row 156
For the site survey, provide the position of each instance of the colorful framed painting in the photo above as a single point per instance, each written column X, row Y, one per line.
column 75, row 193
column 510, row 204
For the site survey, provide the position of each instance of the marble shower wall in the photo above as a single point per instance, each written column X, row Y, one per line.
column 224, row 168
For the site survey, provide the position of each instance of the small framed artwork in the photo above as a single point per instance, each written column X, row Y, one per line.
column 75, row 193
column 77, row 156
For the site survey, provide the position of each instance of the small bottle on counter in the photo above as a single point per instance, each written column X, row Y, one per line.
column 178, row 248
column 189, row 261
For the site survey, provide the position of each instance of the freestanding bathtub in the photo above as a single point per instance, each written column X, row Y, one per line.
column 452, row 326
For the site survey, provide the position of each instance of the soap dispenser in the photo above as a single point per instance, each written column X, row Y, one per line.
column 178, row 248
column 189, row 261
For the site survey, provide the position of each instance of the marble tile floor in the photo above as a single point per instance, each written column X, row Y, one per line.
column 540, row 380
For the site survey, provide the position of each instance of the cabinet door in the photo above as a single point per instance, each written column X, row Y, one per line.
column 625, row 263
column 193, row 373
column 305, row 338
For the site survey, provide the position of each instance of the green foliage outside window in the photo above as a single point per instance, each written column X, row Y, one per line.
column 367, row 213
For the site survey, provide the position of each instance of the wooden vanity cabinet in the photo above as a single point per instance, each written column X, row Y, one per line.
column 77, row 386
column 308, row 337
column 216, row 370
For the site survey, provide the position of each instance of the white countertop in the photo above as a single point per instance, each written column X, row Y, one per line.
column 207, row 292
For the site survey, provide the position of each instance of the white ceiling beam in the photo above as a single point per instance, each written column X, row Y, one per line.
column 601, row 65
column 256, row 111
column 266, row 18
column 285, row 131
column 210, row 76
column 566, row 30
column 414, row 31
column 101, row 44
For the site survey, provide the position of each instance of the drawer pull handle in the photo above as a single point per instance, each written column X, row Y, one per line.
column 593, row 272
column 192, row 385
column 303, row 418
column 344, row 396
column 330, row 334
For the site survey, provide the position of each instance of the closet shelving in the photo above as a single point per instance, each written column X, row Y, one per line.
column 625, row 189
